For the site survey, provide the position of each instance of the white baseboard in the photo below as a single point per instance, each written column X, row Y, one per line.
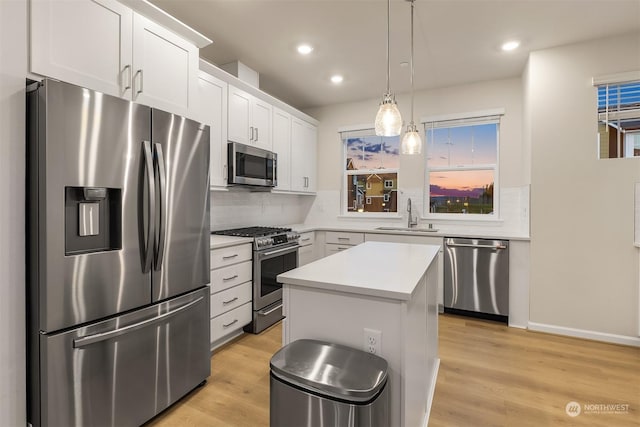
column 431, row 393
column 589, row 335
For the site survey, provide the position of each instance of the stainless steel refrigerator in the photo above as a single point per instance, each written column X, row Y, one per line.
column 118, row 258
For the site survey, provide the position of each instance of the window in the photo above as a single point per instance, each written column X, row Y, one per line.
column 462, row 166
column 619, row 120
column 371, row 172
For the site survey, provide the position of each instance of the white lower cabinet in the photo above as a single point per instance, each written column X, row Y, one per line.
column 224, row 326
column 231, row 292
column 337, row 241
column 306, row 253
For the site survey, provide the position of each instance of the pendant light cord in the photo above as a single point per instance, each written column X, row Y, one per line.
column 388, row 37
column 412, row 96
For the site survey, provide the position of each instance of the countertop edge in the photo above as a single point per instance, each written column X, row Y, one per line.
column 303, row 228
column 218, row 242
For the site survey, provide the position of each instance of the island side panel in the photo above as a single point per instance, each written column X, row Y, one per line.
column 341, row 318
column 415, row 355
column 433, row 358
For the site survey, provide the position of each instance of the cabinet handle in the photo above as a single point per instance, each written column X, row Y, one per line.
column 341, row 248
column 141, row 85
column 230, row 301
column 229, row 324
column 230, row 256
column 250, row 133
column 125, row 82
column 257, row 134
column 344, row 238
column 306, row 239
column 226, row 279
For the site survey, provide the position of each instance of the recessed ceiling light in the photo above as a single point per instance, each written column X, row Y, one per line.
column 510, row 45
column 305, row 49
column 337, row 78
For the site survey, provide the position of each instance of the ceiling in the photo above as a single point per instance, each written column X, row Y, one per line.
column 456, row 41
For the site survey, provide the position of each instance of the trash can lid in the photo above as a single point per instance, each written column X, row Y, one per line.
column 331, row 369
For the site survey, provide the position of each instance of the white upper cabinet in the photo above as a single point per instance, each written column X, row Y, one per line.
column 282, row 147
column 239, row 112
column 249, row 119
column 165, row 67
column 87, row 43
column 303, row 156
column 106, row 46
column 213, row 111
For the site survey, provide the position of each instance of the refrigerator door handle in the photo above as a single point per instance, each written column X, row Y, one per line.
column 147, row 250
column 161, row 174
column 103, row 336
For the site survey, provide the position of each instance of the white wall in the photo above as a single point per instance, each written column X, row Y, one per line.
column 514, row 179
column 13, row 69
column 584, row 267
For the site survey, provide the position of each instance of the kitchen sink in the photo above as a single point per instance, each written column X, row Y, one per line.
column 412, row 229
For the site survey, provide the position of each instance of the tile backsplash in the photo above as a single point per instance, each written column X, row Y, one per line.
column 242, row 208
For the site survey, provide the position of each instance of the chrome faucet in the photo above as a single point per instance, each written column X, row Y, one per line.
column 410, row 220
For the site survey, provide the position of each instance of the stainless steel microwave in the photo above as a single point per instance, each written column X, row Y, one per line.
column 249, row 165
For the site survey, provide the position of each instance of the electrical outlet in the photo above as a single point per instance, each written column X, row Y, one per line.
column 372, row 341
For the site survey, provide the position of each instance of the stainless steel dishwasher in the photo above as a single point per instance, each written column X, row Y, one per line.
column 476, row 277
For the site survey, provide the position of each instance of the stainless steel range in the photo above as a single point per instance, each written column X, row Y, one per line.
column 275, row 250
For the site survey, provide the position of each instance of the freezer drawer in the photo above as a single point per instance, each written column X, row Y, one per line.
column 476, row 276
column 123, row 371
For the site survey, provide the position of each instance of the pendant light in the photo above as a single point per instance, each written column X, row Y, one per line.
column 388, row 119
column 411, row 141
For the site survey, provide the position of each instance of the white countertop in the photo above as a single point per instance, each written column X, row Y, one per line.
column 380, row 269
column 217, row 241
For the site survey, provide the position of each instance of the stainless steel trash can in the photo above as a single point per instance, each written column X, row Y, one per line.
column 319, row 384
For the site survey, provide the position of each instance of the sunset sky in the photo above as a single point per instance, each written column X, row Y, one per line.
column 446, row 147
column 374, row 152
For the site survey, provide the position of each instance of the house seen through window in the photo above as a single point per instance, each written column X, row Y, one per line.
column 619, row 120
column 462, row 166
column 371, row 172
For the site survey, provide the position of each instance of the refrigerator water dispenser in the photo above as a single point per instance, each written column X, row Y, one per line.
column 93, row 219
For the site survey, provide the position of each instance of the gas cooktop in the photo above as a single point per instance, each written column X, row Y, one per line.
column 252, row 231
column 264, row 237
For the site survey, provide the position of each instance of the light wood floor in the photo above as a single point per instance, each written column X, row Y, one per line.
column 490, row 375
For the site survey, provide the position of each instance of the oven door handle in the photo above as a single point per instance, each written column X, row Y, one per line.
column 266, row 313
column 279, row 251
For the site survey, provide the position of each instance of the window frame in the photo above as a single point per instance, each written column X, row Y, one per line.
column 614, row 114
column 344, row 212
column 461, row 120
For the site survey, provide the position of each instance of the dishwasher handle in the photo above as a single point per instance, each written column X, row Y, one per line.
column 468, row 245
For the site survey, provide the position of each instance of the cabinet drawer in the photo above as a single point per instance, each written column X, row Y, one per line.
column 227, row 277
column 344, row 238
column 307, row 238
column 331, row 248
column 230, row 298
column 231, row 255
column 230, row 321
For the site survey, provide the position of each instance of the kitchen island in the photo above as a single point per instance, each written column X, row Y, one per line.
column 383, row 287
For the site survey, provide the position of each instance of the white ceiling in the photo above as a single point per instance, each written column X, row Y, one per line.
column 456, row 41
